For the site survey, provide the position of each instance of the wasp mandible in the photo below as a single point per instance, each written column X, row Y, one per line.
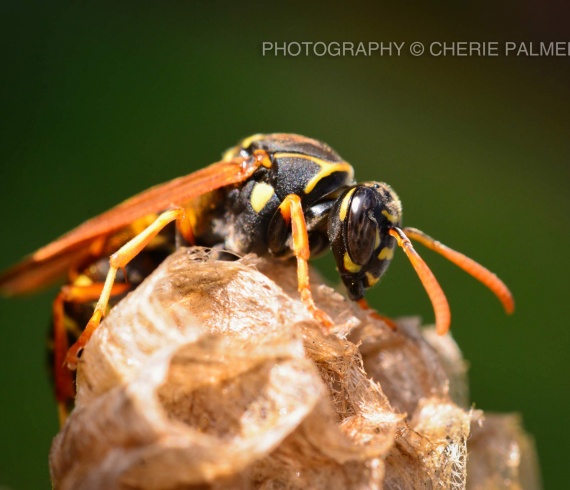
column 280, row 195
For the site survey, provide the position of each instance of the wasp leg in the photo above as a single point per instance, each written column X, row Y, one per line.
column 63, row 378
column 374, row 314
column 184, row 227
column 292, row 212
column 117, row 261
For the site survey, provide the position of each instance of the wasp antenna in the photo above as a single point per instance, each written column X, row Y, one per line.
column 482, row 274
column 432, row 287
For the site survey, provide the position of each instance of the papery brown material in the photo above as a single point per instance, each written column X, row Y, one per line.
column 212, row 374
column 501, row 455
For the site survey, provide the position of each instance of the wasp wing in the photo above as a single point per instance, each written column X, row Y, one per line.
column 54, row 260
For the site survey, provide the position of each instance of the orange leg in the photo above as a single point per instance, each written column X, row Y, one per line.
column 292, row 212
column 185, row 229
column 117, row 261
column 374, row 314
column 63, row 378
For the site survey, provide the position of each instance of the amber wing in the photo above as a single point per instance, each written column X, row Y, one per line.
column 54, row 260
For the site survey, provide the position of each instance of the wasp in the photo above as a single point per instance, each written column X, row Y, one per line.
column 277, row 195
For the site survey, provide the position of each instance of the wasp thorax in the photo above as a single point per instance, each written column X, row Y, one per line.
column 359, row 226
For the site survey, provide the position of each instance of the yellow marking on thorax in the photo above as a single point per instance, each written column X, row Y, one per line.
column 327, row 168
column 234, row 151
column 391, row 218
column 386, row 253
column 248, row 141
column 230, row 154
column 345, row 203
column 371, row 279
column 260, row 196
column 349, row 265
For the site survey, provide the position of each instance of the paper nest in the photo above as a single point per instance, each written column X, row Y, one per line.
column 212, row 374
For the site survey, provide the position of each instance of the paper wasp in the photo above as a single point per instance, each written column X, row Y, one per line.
column 278, row 195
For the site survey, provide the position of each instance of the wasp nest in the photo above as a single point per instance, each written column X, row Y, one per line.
column 212, row 374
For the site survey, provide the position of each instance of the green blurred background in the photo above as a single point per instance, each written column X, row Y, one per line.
column 99, row 102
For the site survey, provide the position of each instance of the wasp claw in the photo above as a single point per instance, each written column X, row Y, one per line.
column 323, row 318
column 73, row 355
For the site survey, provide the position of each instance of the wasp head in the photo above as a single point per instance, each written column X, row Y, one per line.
column 358, row 229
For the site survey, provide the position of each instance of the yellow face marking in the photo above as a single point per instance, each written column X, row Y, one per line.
column 371, row 279
column 386, row 253
column 344, row 204
column 327, row 168
column 260, row 196
column 349, row 265
column 377, row 239
column 391, row 218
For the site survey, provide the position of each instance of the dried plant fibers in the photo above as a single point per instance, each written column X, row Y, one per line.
column 213, row 374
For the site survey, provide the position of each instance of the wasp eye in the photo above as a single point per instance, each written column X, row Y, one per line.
column 362, row 228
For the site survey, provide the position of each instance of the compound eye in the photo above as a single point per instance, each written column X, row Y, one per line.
column 362, row 229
